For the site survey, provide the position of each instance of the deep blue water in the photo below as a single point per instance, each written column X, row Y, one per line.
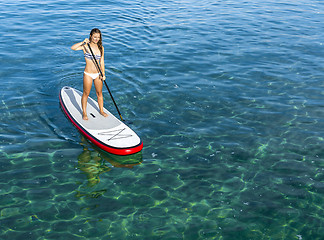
column 227, row 97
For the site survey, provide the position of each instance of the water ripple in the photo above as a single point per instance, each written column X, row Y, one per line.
column 226, row 96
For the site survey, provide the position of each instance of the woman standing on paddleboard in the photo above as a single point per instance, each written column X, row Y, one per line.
column 91, row 73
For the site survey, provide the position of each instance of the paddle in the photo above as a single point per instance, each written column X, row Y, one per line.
column 98, row 67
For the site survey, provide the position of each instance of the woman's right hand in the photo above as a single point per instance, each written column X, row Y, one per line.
column 79, row 45
column 85, row 41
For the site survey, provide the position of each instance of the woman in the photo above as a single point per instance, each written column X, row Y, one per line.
column 91, row 73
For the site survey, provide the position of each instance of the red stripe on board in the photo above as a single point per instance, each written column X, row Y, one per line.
column 117, row 151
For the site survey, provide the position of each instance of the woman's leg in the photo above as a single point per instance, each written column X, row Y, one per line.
column 87, row 83
column 98, row 85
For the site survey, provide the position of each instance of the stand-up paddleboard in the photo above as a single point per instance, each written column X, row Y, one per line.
column 108, row 133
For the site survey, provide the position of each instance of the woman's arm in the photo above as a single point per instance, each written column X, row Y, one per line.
column 79, row 45
column 102, row 64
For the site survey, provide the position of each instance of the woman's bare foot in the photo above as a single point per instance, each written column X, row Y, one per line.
column 85, row 117
column 104, row 114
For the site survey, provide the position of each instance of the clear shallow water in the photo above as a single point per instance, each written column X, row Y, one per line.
column 226, row 96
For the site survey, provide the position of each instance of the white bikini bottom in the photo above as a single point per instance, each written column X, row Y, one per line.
column 92, row 75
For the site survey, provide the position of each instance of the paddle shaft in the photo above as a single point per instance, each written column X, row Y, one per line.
column 97, row 65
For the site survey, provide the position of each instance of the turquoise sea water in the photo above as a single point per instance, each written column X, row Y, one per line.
column 227, row 97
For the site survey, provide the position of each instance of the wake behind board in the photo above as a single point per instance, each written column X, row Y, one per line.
column 108, row 133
